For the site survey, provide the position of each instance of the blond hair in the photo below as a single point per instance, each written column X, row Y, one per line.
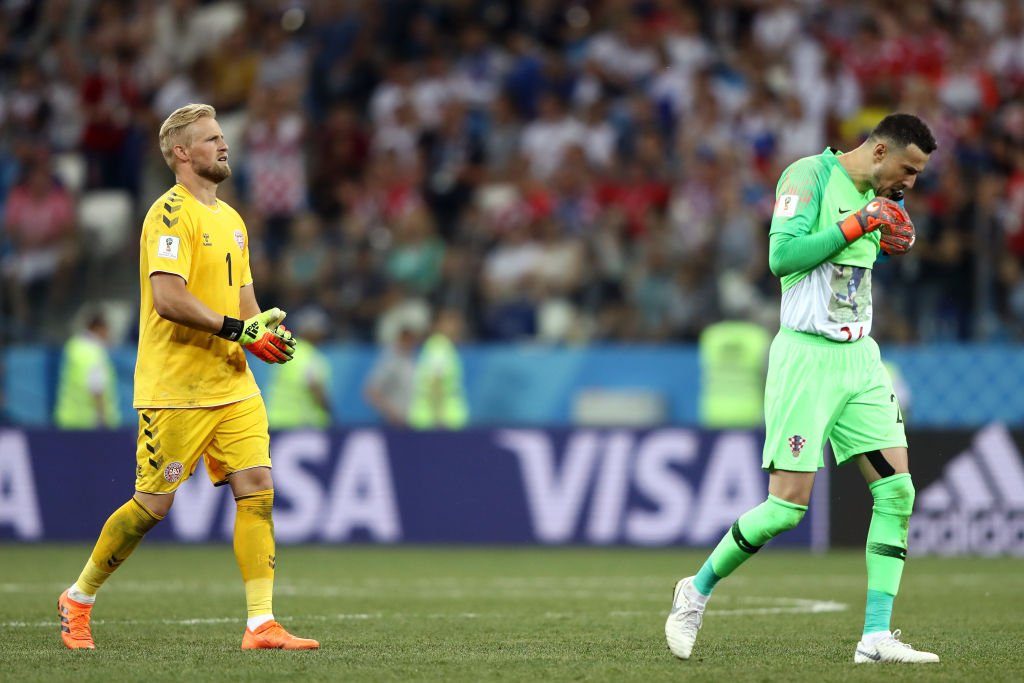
column 174, row 130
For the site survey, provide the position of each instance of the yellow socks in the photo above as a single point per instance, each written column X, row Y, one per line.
column 120, row 535
column 254, row 549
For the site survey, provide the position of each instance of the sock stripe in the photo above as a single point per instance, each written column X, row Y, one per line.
column 255, row 494
column 887, row 550
column 745, row 545
column 149, row 513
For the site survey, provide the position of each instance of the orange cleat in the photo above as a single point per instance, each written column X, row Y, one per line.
column 272, row 636
column 74, row 623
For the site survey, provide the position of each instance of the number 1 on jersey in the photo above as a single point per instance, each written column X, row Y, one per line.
column 227, row 258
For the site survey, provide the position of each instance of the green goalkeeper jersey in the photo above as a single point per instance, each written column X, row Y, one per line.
column 832, row 298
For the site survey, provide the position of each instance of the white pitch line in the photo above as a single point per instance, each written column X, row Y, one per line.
column 795, row 606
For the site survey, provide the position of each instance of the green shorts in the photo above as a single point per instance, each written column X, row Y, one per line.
column 820, row 389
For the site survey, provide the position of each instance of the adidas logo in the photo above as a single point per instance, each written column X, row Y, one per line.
column 977, row 506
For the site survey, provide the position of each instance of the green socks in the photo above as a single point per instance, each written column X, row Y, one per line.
column 752, row 530
column 886, row 547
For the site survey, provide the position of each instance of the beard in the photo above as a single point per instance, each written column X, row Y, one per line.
column 216, row 173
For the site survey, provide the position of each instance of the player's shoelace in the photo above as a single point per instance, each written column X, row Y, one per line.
column 896, row 639
column 692, row 618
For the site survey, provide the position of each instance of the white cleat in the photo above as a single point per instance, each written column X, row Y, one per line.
column 891, row 649
column 684, row 620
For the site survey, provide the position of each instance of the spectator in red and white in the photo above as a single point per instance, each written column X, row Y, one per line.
column 39, row 226
column 275, row 162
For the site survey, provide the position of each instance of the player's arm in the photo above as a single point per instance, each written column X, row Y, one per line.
column 257, row 333
column 792, row 247
column 174, row 302
column 247, row 305
column 889, row 218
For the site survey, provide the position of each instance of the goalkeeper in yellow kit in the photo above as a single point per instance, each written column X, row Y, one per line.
column 195, row 394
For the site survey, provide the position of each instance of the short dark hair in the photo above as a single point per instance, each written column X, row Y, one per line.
column 905, row 130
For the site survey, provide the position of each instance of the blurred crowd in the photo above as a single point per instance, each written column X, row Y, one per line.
column 558, row 171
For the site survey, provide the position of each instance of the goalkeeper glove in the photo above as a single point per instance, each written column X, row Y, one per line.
column 261, row 335
column 882, row 214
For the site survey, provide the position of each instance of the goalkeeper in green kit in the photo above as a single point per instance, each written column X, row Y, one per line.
column 833, row 213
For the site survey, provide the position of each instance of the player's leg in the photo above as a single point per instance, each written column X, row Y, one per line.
column 121, row 534
column 888, row 479
column 870, row 433
column 157, row 477
column 788, row 496
column 255, row 552
column 788, row 493
column 798, row 416
column 240, row 456
column 888, row 476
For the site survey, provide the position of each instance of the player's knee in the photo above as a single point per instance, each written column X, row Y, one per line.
column 157, row 506
column 788, row 518
column 783, row 515
column 894, row 495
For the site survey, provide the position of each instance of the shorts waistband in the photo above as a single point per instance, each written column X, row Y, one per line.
column 808, row 338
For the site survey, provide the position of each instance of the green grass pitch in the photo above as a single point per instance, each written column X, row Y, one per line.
column 175, row 613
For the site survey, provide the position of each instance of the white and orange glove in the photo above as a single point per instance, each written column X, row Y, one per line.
column 889, row 217
column 263, row 335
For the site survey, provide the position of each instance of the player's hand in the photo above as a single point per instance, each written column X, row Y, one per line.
column 897, row 238
column 261, row 337
column 289, row 339
column 877, row 213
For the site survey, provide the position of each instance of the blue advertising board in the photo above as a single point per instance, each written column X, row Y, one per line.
column 659, row 487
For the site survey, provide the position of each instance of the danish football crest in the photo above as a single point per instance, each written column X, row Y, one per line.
column 172, row 472
column 240, row 239
column 796, row 444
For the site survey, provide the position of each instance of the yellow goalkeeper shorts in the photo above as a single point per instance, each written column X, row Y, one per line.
column 229, row 438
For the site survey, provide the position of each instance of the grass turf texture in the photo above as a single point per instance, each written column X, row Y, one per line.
column 177, row 613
